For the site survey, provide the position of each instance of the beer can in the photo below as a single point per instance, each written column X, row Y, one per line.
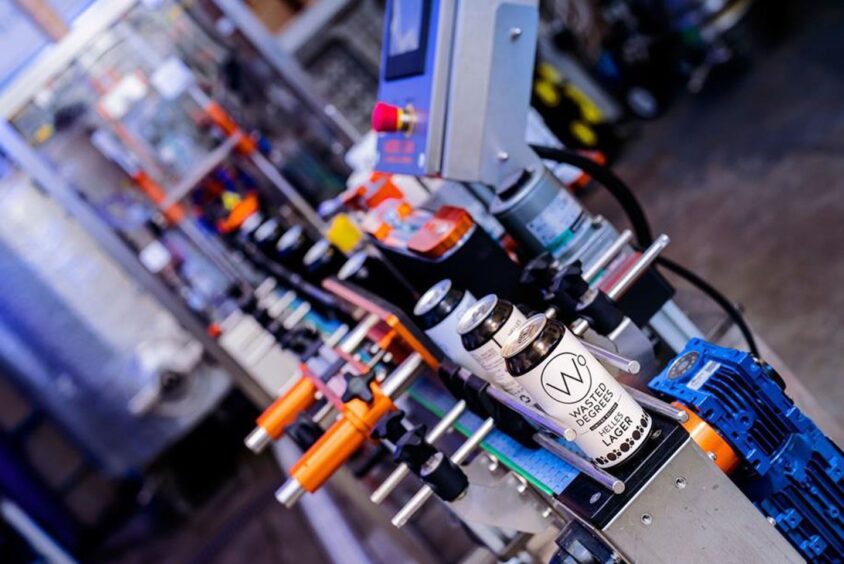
column 483, row 329
column 438, row 311
column 322, row 260
column 378, row 277
column 292, row 246
column 573, row 387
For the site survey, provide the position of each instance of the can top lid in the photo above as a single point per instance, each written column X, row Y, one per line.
column 432, row 297
column 519, row 340
column 251, row 223
column 266, row 229
column 289, row 238
column 316, row 252
column 353, row 265
column 476, row 314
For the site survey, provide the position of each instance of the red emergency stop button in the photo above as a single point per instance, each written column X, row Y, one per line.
column 387, row 118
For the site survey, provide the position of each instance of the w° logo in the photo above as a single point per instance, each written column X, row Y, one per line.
column 566, row 378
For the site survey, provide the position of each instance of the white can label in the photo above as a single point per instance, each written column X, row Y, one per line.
column 489, row 357
column 445, row 335
column 574, row 388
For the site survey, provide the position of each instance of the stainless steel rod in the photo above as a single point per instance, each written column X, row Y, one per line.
column 417, row 501
column 394, row 479
column 601, row 476
column 608, row 255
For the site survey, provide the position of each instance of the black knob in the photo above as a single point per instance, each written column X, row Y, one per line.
column 413, row 449
column 357, row 387
column 444, row 476
column 304, row 432
column 391, row 427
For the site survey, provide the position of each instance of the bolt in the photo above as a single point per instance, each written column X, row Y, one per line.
column 647, row 519
column 772, row 521
column 680, row 482
column 515, row 33
column 546, row 513
column 503, row 155
column 712, row 456
column 594, row 499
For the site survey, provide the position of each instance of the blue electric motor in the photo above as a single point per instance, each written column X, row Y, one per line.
column 793, row 472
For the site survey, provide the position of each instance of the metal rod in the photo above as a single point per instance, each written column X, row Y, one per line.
column 356, row 336
column 601, row 476
column 639, row 267
column 611, row 252
column 628, row 278
column 441, row 428
column 417, row 501
column 298, row 315
column 401, row 375
column 657, row 405
column 532, row 414
column 620, row 362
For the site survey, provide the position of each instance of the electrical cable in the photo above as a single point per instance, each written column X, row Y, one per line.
column 608, row 179
column 641, row 227
column 731, row 310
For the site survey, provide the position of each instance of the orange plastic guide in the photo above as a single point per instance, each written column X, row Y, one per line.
column 283, row 412
column 341, row 440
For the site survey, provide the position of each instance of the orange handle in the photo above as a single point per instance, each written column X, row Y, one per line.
column 341, row 440
column 283, row 411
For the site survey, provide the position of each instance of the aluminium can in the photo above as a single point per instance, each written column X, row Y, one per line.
column 573, row 387
column 483, row 329
column 438, row 312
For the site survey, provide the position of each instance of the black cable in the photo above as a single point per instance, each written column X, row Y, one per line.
column 641, row 226
column 719, row 298
column 606, row 177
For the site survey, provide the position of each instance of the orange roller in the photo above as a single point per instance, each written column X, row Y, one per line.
column 709, row 440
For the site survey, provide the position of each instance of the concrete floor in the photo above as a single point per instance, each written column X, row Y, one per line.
column 749, row 184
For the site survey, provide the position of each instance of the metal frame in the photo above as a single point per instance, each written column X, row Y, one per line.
column 16, row 147
column 97, row 18
column 286, row 65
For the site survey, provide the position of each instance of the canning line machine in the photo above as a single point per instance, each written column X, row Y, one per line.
column 591, row 405
column 454, row 327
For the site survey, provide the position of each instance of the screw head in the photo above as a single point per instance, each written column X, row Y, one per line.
column 647, row 519
column 680, row 482
column 515, row 33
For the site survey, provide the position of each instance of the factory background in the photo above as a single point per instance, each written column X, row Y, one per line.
column 203, row 215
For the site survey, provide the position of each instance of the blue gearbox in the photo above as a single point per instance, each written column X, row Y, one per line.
column 792, row 472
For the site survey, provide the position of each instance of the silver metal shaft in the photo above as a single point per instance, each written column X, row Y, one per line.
column 620, row 362
column 639, row 267
column 532, row 414
column 601, row 476
column 417, row 501
column 402, row 375
column 657, row 405
column 606, row 258
column 440, row 429
column 633, row 273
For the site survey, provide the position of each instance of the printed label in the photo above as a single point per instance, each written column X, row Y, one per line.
column 703, row 375
column 574, row 388
column 489, row 357
column 445, row 335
